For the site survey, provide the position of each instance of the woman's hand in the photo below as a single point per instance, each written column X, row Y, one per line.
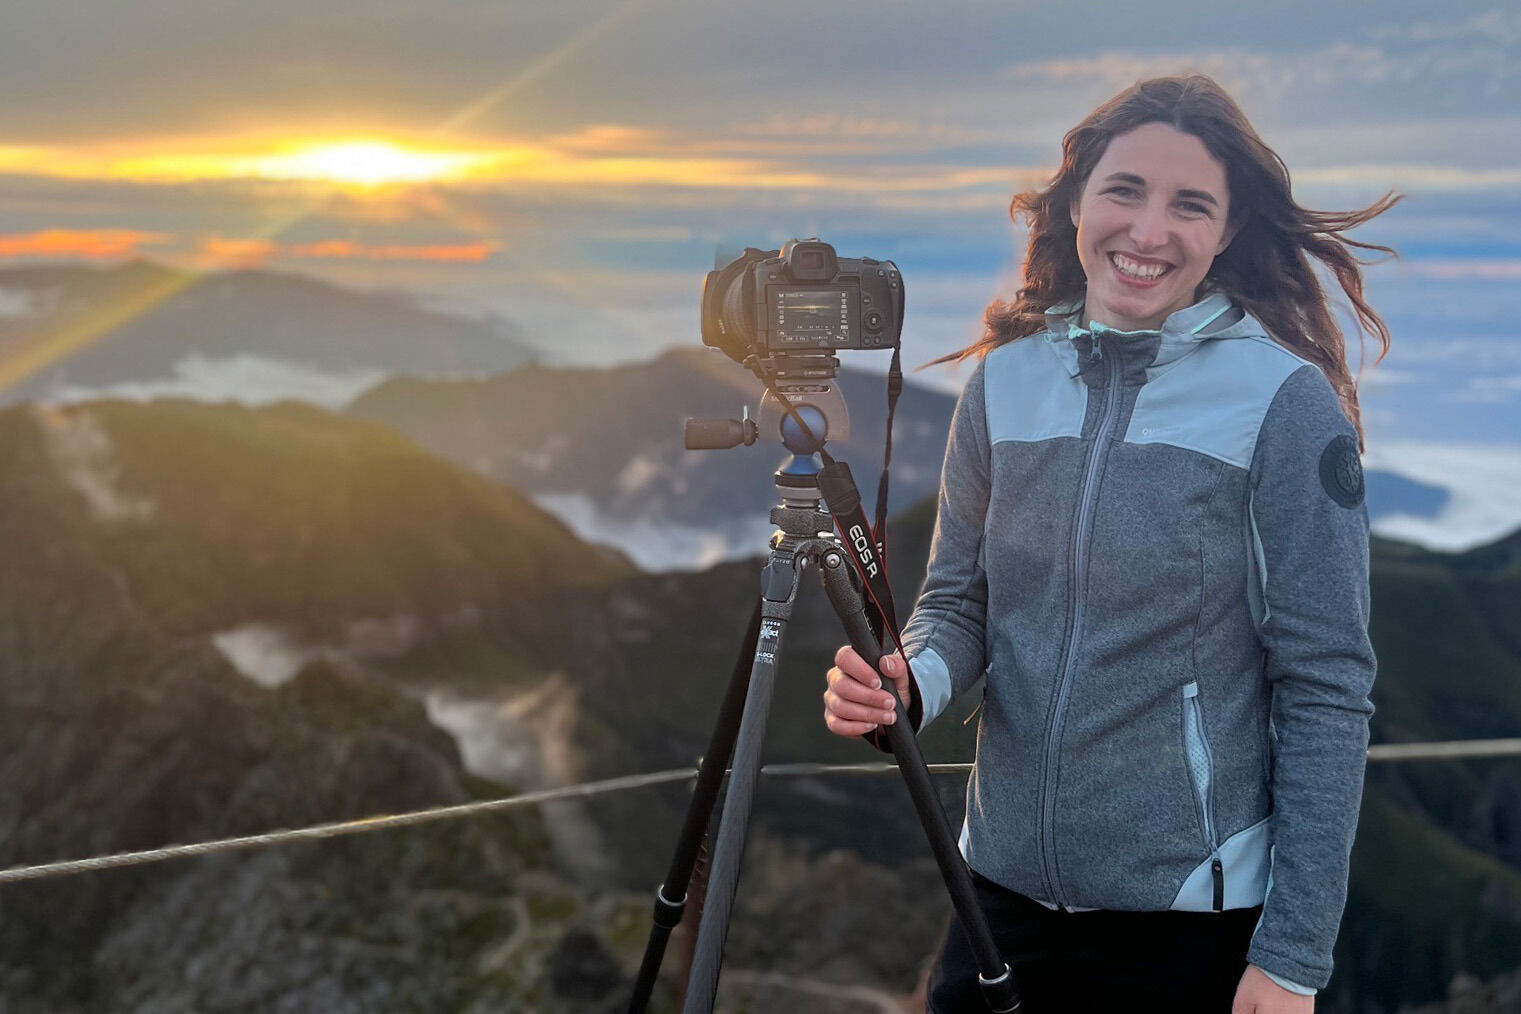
column 1257, row 994
column 855, row 702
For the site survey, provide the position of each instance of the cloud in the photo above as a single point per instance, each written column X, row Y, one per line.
column 1483, row 482
column 471, row 253
column 1468, row 47
column 1496, row 347
column 607, row 157
column 91, row 244
column 1490, row 390
column 240, row 252
column 1494, row 27
column 1247, row 72
column 1492, row 269
column 475, row 69
column 1411, row 177
column 249, row 379
column 226, row 251
column 1381, row 376
column 81, row 450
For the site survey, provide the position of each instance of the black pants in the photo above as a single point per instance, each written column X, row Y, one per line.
column 1077, row 962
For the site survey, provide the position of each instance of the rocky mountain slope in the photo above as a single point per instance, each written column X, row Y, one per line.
column 137, row 534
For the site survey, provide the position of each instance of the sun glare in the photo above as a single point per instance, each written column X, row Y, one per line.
column 364, row 163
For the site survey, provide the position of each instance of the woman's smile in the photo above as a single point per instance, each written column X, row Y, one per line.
column 1138, row 271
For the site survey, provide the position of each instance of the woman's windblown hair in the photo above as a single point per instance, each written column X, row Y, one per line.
column 1266, row 268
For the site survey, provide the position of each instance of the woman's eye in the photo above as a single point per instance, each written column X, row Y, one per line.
column 1195, row 206
column 1120, row 190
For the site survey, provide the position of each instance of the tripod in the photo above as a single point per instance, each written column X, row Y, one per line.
column 804, row 538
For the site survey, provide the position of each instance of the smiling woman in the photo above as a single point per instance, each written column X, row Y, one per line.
column 1151, row 545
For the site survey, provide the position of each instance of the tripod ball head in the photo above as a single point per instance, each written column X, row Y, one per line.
column 796, row 440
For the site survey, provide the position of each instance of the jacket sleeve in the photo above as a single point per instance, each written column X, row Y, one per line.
column 945, row 639
column 1308, row 515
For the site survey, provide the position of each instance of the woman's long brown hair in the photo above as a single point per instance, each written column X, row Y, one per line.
column 1266, row 269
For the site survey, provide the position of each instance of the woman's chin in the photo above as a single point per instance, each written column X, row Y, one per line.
column 1130, row 314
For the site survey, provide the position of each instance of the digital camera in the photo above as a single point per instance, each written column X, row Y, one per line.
column 801, row 300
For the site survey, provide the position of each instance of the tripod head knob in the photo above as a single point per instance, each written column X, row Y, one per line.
column 720, row 434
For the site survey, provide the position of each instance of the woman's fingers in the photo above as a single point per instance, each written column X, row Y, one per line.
column 847, row 660
column 894, row 669
column 856, row 702
column 853, row 707
column 853, row 701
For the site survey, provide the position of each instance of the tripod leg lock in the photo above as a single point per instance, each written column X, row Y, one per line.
column 667, row 912
column 1000, row 993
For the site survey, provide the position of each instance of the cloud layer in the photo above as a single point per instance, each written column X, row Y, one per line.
column 616, row 146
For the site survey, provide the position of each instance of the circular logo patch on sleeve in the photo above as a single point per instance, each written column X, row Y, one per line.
column 1341, row 471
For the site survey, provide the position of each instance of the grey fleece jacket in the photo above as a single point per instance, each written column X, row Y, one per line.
column 1155, row 546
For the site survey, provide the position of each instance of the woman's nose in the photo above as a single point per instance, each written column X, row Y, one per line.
column 1148, row 229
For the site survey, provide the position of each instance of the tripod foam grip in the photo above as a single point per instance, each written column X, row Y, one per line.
column 718, row 434
column 851, row 608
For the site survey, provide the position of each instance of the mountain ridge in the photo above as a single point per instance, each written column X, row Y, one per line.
column 140, row 325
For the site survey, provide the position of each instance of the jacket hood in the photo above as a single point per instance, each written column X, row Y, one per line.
column 1214, row 316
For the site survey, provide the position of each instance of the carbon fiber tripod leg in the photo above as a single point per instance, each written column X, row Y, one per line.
column 670, row 900
column 993, row 974
column 778, row 593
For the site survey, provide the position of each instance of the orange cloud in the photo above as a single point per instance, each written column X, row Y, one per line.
column 115, row 244
column 237, row 251
column 471, row 253
column 96, row 244
column 244, row 252
column 374, row 174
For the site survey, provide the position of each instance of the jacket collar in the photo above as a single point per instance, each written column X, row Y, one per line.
column 1214, row 316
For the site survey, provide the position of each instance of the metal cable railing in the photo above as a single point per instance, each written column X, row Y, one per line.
column 1387, row 752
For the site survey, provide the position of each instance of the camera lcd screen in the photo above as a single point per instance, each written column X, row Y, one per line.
column 816, row 318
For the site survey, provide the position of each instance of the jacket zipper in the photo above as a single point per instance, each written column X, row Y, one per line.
column 1203, row 785
column 1096, row 459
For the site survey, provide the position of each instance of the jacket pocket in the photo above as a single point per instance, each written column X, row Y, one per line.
column 1201, row 773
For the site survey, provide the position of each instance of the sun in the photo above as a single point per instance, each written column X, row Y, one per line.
column 364, row 164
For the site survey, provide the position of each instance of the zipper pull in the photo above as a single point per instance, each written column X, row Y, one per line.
column 1096, row 351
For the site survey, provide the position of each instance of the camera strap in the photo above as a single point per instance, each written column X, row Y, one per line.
column 838, row 488
column 894, row 388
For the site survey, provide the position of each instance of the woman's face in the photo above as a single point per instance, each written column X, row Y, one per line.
column 1150, row 220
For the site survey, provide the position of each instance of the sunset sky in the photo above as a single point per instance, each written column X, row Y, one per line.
column 573, row 166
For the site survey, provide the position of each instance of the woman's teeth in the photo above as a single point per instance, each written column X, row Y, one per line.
column 1132, row 269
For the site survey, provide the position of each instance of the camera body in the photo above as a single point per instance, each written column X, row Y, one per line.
column 801, row 300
